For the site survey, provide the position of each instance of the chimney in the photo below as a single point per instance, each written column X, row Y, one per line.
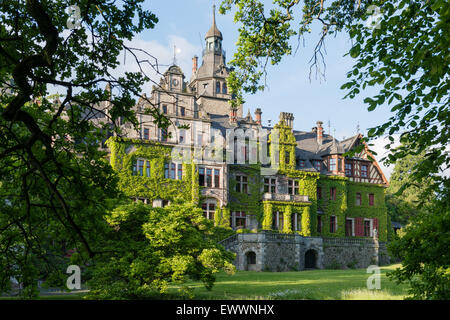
column 258, row 113
column 233, row 115
column 319, row 132
column 194, row 64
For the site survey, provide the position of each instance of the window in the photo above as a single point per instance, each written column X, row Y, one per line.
column 241, row 184
column 201, row 176
column 332, row 224
column 319, row 224
column 165, row 203
column 164, row 109
column 164, row 134
column 339, row 164
column 296, row 223
column 301, row 164
column 371, row 199
column 286, row 157
column 224, row 88
column 333, row 193
column 364, row 171
column 332, row 164
column 239, row 220
column 367, row 228
column 166, row 170
column 182, row 111
column 358, row 199
column 277, row 221
column 317, row 164
column 270, row 185
column 180, row 171
column 147, row 167
column 146, row 133
column 217, row 178
column 319, row 193
column 292, row 186
column 173, row 170
column 349, row 228
column 217, row 87
column 209, row 208
column 138, row 167
column 182, row 135
column 348, row 169
column 170, row 170
column 209, row 177
column 140, row 164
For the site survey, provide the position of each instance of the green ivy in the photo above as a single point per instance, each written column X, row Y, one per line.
column 123, row 154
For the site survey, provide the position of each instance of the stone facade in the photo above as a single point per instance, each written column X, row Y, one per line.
column 274, row 251
column 292, row 252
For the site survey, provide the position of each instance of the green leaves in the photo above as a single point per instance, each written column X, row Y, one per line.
column 151, row 248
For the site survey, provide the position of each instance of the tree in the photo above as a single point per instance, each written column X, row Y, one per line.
column 404, row 196
column 54, row 182
column 423, row 248
column 405, row 53
column 151, row 248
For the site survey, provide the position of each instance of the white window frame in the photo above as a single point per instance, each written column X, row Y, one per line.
column 353, row 225
column 371, row 226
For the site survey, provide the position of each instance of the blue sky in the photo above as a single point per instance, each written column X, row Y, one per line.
column 185, row 23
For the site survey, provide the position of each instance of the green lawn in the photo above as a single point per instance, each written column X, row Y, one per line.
column 313, row 284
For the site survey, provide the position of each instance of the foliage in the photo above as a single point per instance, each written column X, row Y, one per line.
column 54, row 182
column 150, row 248
column 125, row 152
column 406, row 196
column 405, row 54
column 423, row 249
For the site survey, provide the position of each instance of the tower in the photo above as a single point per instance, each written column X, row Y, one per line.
column 209, row 80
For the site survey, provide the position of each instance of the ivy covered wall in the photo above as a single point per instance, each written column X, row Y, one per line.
column 124, row 152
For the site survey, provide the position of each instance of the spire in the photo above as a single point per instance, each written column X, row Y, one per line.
column 214, row 31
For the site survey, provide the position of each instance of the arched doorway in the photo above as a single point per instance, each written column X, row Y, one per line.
column 311, row 259
column 250, row 261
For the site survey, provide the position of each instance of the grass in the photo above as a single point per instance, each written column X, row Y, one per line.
column 347, row 284
column 312, row 285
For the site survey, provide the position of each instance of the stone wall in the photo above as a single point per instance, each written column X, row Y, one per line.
column 268, row 251
column 274, row 251
column 353, row 253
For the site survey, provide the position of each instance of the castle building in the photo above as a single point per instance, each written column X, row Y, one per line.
column 294, row 198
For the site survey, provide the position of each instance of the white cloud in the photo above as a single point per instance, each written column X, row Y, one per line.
column 156, row 58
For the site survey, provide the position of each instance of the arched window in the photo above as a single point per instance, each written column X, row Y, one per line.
column 224, row 88
column 217, row 87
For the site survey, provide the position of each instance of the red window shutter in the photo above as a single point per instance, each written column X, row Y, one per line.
column 375, row 226
column 359, row 226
